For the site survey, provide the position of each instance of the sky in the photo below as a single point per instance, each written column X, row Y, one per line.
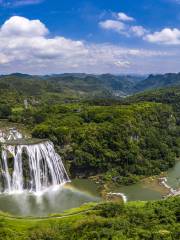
column 92, row 36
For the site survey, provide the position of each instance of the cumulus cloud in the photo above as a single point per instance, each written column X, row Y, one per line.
column 138, row 31
column 22, row 26
column 123, row 25
column 123, row 17
column 165, row 36
column 114, row 25
column 26, row 46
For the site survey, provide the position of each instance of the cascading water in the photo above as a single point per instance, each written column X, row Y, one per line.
column 33, row 177
column 41, row 168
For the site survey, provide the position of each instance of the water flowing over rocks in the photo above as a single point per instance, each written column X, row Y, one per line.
column 32, row 167
column 112, row 196
column 172, row 191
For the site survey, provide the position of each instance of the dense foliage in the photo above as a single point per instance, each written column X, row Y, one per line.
column 170, row 96
column 65, row 86
column 120, row 140
column 158, row 220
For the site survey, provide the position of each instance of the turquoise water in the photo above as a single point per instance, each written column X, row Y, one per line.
column 139, row 191
column 173, row 177
column 142, row 192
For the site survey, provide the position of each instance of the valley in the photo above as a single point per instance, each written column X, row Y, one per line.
column 112, row 148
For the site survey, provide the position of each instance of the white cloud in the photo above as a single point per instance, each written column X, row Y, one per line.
column 25, row 46
column 138, row 31
column 165, row 36
column 127, row 29
column 122, row 63
column 22, row 26
column 114, row 25
column 3, row 58
column 123, row 17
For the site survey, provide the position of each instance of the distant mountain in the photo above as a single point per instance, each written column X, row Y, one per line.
column 158, row 81
column 81, row 85
column 71, row 84
column 123, row 83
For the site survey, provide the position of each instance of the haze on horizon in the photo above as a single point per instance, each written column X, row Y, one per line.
column 49, row 37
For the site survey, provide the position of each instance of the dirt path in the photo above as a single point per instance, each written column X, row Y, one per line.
column 45, row 218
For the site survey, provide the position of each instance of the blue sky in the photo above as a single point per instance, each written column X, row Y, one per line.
column 95, row 36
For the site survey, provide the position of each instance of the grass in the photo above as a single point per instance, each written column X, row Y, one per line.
column 113, row 218
column 21, row 226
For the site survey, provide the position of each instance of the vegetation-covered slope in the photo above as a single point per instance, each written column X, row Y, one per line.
column 158, row 81
column 158, row 220
column 169, row 96
column 67, row 86
column 81, row 85
column 117, row 141
column 120, row 140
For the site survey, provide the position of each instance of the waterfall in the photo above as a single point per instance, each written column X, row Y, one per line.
column 33, row 167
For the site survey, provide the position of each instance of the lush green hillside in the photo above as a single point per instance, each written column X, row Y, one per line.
column 169, row 96
column 158, row 220
column 120, row 142
column 66, row 86
column 76, row 86
column 15, row 88
column 158, row 81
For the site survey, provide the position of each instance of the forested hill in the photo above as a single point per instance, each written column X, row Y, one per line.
column 81, row 85
column 119, row 139
column 158, row 81
column 169, row 96
column 69, row 85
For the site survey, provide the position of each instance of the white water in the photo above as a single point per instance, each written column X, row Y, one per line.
column 172, row 191
column 43, row 167
column 122, row 195
column 12, row 134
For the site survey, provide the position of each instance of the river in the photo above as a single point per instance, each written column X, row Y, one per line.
column 76, row 193
column 144, row 191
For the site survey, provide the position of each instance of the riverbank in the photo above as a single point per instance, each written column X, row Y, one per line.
column 171, row 191
column 149, row 188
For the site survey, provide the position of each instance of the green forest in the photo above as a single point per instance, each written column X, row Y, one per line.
column 118, row 139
